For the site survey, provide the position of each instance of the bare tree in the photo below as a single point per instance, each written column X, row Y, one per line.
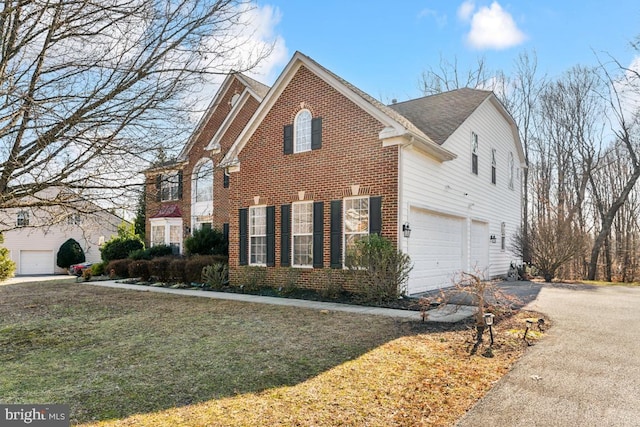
column 448, row 76
column 625, row 119
column 90, row 90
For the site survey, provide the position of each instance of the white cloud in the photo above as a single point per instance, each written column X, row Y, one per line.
column 255, row 34
column 441, row 19
column 465, row 10
column 492, row 28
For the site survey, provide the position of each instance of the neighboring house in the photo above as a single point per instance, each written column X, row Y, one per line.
column 39, row 231
column 192, row 192
column 321, row 164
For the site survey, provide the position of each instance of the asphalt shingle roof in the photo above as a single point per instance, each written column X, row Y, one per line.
column 438, row 116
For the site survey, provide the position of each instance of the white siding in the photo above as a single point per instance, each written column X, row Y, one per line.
column 88, row 233
column 450, row 188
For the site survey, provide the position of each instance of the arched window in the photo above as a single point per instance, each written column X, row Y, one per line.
column 203, row 182
column 302, row 127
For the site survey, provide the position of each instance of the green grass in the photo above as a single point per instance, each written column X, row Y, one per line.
column 112, row 353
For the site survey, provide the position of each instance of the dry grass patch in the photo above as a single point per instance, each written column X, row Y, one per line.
column 125, row 358
column 423, row 379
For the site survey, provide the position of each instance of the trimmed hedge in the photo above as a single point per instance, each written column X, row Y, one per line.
column 70, row 253
column 159, row 268
column 139, row 268
column 118, row 268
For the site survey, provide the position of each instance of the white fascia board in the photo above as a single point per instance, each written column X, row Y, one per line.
column 391, row 136
column 214, row 144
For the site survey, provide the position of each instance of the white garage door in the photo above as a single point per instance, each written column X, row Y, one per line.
column 436, row 249
column 36, row 262
column 479, row 262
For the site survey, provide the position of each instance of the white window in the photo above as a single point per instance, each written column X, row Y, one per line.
column 302, row 131
column 258, row 235
column 22, row 219
column 175, row 237
column 167, row 231
column 74, row 219
column 170, row 186
column 493, row 165
column 474, row 153
column 356, row 222
column 203, row 182
column 511, row 170
column 157, row 235
column 302, row 227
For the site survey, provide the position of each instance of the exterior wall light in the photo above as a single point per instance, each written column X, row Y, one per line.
column 406, row 230
column 492, row 238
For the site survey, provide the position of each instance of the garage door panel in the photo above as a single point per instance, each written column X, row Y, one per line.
column 36, row 262
column 479, row 260
column 436, row 249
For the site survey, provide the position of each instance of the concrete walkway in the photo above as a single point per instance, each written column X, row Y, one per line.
column 586, row 371
column 448, row 314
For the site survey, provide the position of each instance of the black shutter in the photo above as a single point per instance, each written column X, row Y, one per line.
column 159, row 188
column 285, row 235
column 375, row 215
column 316, row 133
column 288, row 139
column 225, row 179
column 244, row 231
column 318, row 235
column 225, row 232
column 336, row 234
column 179, row 185
column 271, row 236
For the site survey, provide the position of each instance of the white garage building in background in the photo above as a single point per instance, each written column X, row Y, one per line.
column 35, row 233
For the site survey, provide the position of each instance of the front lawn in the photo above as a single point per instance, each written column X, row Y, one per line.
column 144, row 359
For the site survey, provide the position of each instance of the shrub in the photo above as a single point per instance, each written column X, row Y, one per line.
column 86, row 274
column 206, row 241
column 159, row 268
column 139, row 268
column 120, row 248
column 251, row 278
column 98, row 268
column 379, row 270
column 118, row 268
column 7, row 267
column 194, row 265
column 177, row 270
column 159, row 251
column 216, row 276
column 150, row 253
column 70, row 253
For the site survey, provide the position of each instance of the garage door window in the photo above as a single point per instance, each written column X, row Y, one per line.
column 356, row 222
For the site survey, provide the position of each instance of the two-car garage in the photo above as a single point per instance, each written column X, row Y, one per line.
column 442, row 246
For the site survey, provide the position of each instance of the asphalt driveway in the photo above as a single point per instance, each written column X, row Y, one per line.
column 586, row 372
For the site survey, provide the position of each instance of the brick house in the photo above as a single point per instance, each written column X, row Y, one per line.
column 320, row 164
column 192, row 192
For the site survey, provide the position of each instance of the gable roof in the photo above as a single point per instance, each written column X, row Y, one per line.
column 396, row 126
column 440, row 115
column 254, row 89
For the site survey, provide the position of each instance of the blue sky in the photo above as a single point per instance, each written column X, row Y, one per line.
column 384, row 46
